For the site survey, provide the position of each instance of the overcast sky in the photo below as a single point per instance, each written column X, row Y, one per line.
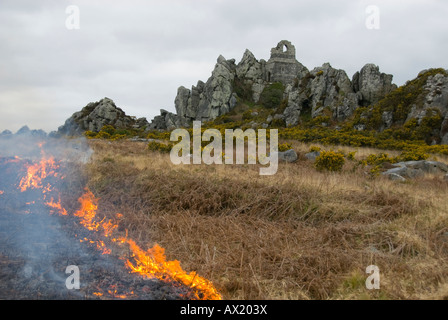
column 139, row 52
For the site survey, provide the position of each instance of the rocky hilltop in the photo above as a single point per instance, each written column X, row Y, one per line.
column 96, row 115
column 368, row 100
column 318, row 91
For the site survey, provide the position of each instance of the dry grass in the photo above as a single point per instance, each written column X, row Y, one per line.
column 299, row 234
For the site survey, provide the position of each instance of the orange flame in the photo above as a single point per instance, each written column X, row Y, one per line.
column 152, row 263
column 36, row 173
column 57, row 206
column 87, row 213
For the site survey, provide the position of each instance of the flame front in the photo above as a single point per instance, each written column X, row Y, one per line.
column 87, row 212
column 152, row 263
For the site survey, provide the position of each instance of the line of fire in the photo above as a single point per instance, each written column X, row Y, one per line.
column 49, row 222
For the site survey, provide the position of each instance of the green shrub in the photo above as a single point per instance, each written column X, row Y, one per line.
column 414, row 155
column 90, row 134
column 108, row 129
column 247, row 115
column 330, row 161
column 103, row 135
column 161, row 147
column 430, row 124
column 116, row 137
column 375, row 171
column 278, row 123
column 377, row 159
column 272, row 95
column 243, row 89
column 317, row 121
column 284, row 147
column 351, row 155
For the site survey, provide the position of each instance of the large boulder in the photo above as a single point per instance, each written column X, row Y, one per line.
column 288, row 156
column 404, row 172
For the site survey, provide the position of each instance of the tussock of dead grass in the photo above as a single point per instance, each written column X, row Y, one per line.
column 300, row 234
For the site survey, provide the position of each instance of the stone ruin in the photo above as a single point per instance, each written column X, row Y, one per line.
column 283, row 66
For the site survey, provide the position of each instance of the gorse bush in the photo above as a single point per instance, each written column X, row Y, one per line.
column 414, row 155
column 315, row 149
column 351, row 155
column 161, row 147
column 390, row 139
column 330, row 161
column 109, row 132
column 376, row 159
column 350, row 137
column 272, row 95
column 284, row 147
column 247, row 115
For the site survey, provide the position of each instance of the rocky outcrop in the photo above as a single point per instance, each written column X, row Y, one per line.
column 323, row 91
column 250, row 68
column 205, row 101
column 98, row 114
column 251, row 73
column 24, row 131
column 415, row 169
column 209, row 100
column 424, row 99
column 372, row 85
column 444, row 130
column 435, row 100
column 329, row 91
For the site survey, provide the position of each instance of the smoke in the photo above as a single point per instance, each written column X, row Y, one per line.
column 41, row 181
column 33, row 147
column 32, row 236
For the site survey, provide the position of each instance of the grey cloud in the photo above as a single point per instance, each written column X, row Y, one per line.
column 138, row 52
